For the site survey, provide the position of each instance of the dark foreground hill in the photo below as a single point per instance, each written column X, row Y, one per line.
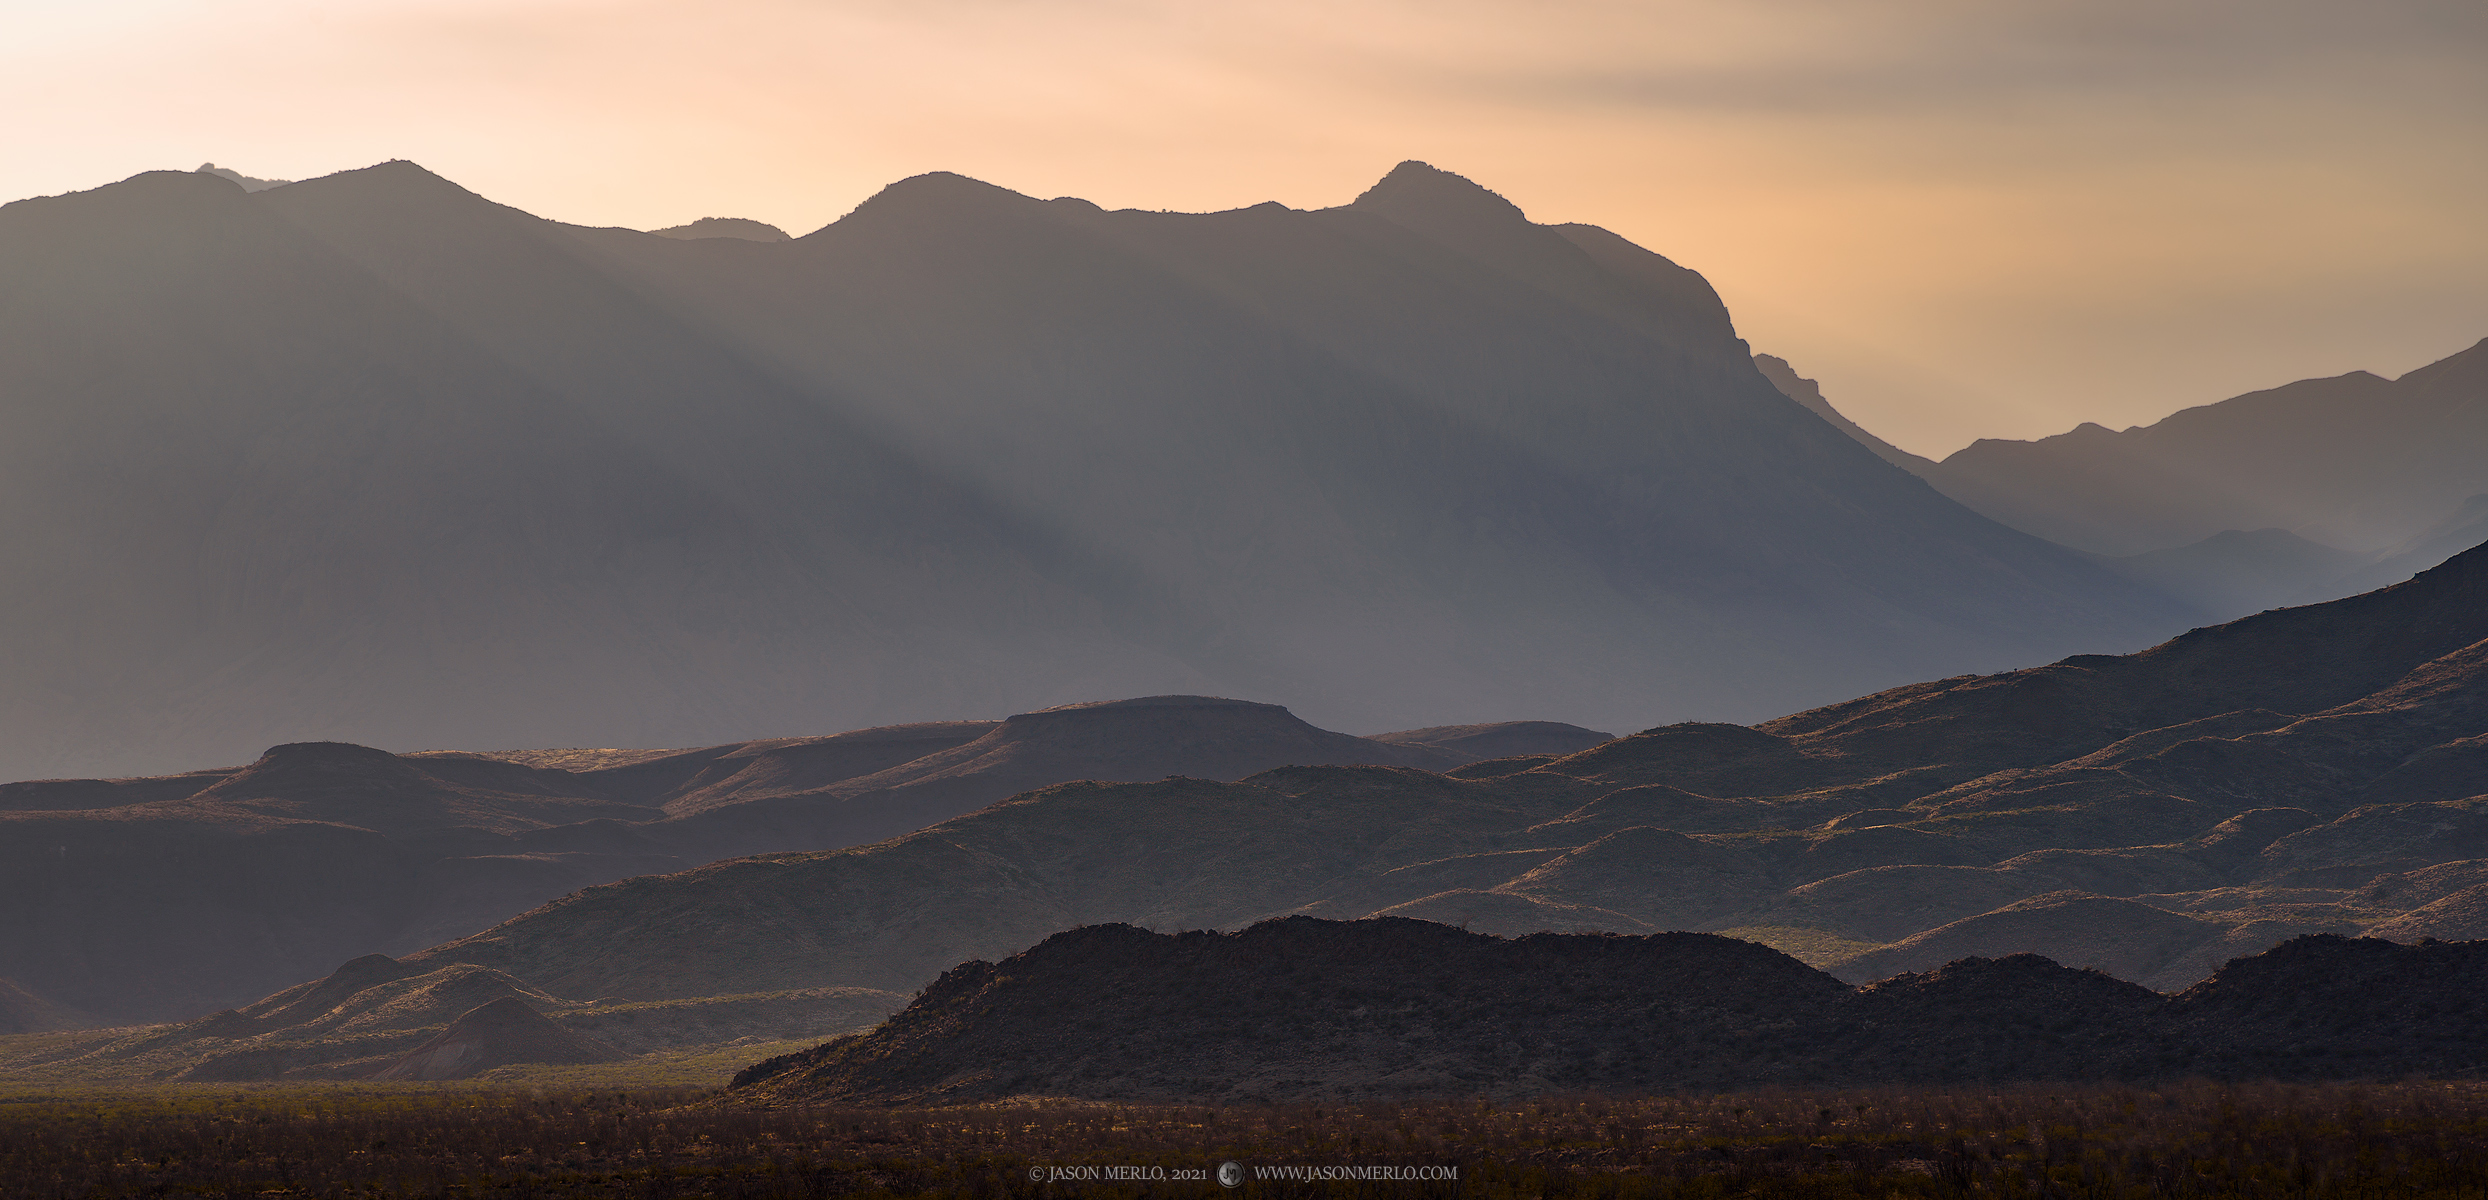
column 2312, row 770
column 162, row 898
column 1303, row 1010
column 370, row 458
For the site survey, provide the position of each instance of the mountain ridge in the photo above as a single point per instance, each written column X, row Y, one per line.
column 960, row 451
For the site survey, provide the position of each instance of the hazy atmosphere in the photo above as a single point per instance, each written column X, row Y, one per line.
column 1966, row 219
column 783, row 599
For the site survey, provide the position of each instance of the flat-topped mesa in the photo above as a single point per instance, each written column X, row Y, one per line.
column 1154, row 702
column 1139, row 739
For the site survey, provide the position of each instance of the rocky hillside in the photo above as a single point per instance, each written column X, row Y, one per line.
column 1308, row 1010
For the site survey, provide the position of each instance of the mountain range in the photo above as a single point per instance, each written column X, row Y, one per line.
column 163, row 898
column 369, row 458
column 2316, row 490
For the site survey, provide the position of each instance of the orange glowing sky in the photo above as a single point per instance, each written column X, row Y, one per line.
column 1967, row 217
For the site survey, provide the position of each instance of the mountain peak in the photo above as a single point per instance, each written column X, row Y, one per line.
column 940, row 193
column 398, row 187
column 1415, row 189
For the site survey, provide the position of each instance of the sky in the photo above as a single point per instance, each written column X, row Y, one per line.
column 1967, row 218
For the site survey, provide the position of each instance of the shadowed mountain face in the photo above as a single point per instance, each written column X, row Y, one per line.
column 2315, row 770
column 163, row 898
column 368, row 458
column 1302, row 1010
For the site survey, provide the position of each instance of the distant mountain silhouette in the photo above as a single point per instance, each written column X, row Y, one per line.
column 371, row 459
column 2354, row 462
column 1304, row 1010
column 739, row 228
column 2241, row 571
column 2321, row 489
column 167, row 897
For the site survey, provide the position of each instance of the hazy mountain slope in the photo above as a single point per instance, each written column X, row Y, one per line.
column 2237, row 571
column 2462, row 529
column 369, row 458
column 275, row 492
column 1810, row 393
column 1588, row 434
column 2354, row 462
